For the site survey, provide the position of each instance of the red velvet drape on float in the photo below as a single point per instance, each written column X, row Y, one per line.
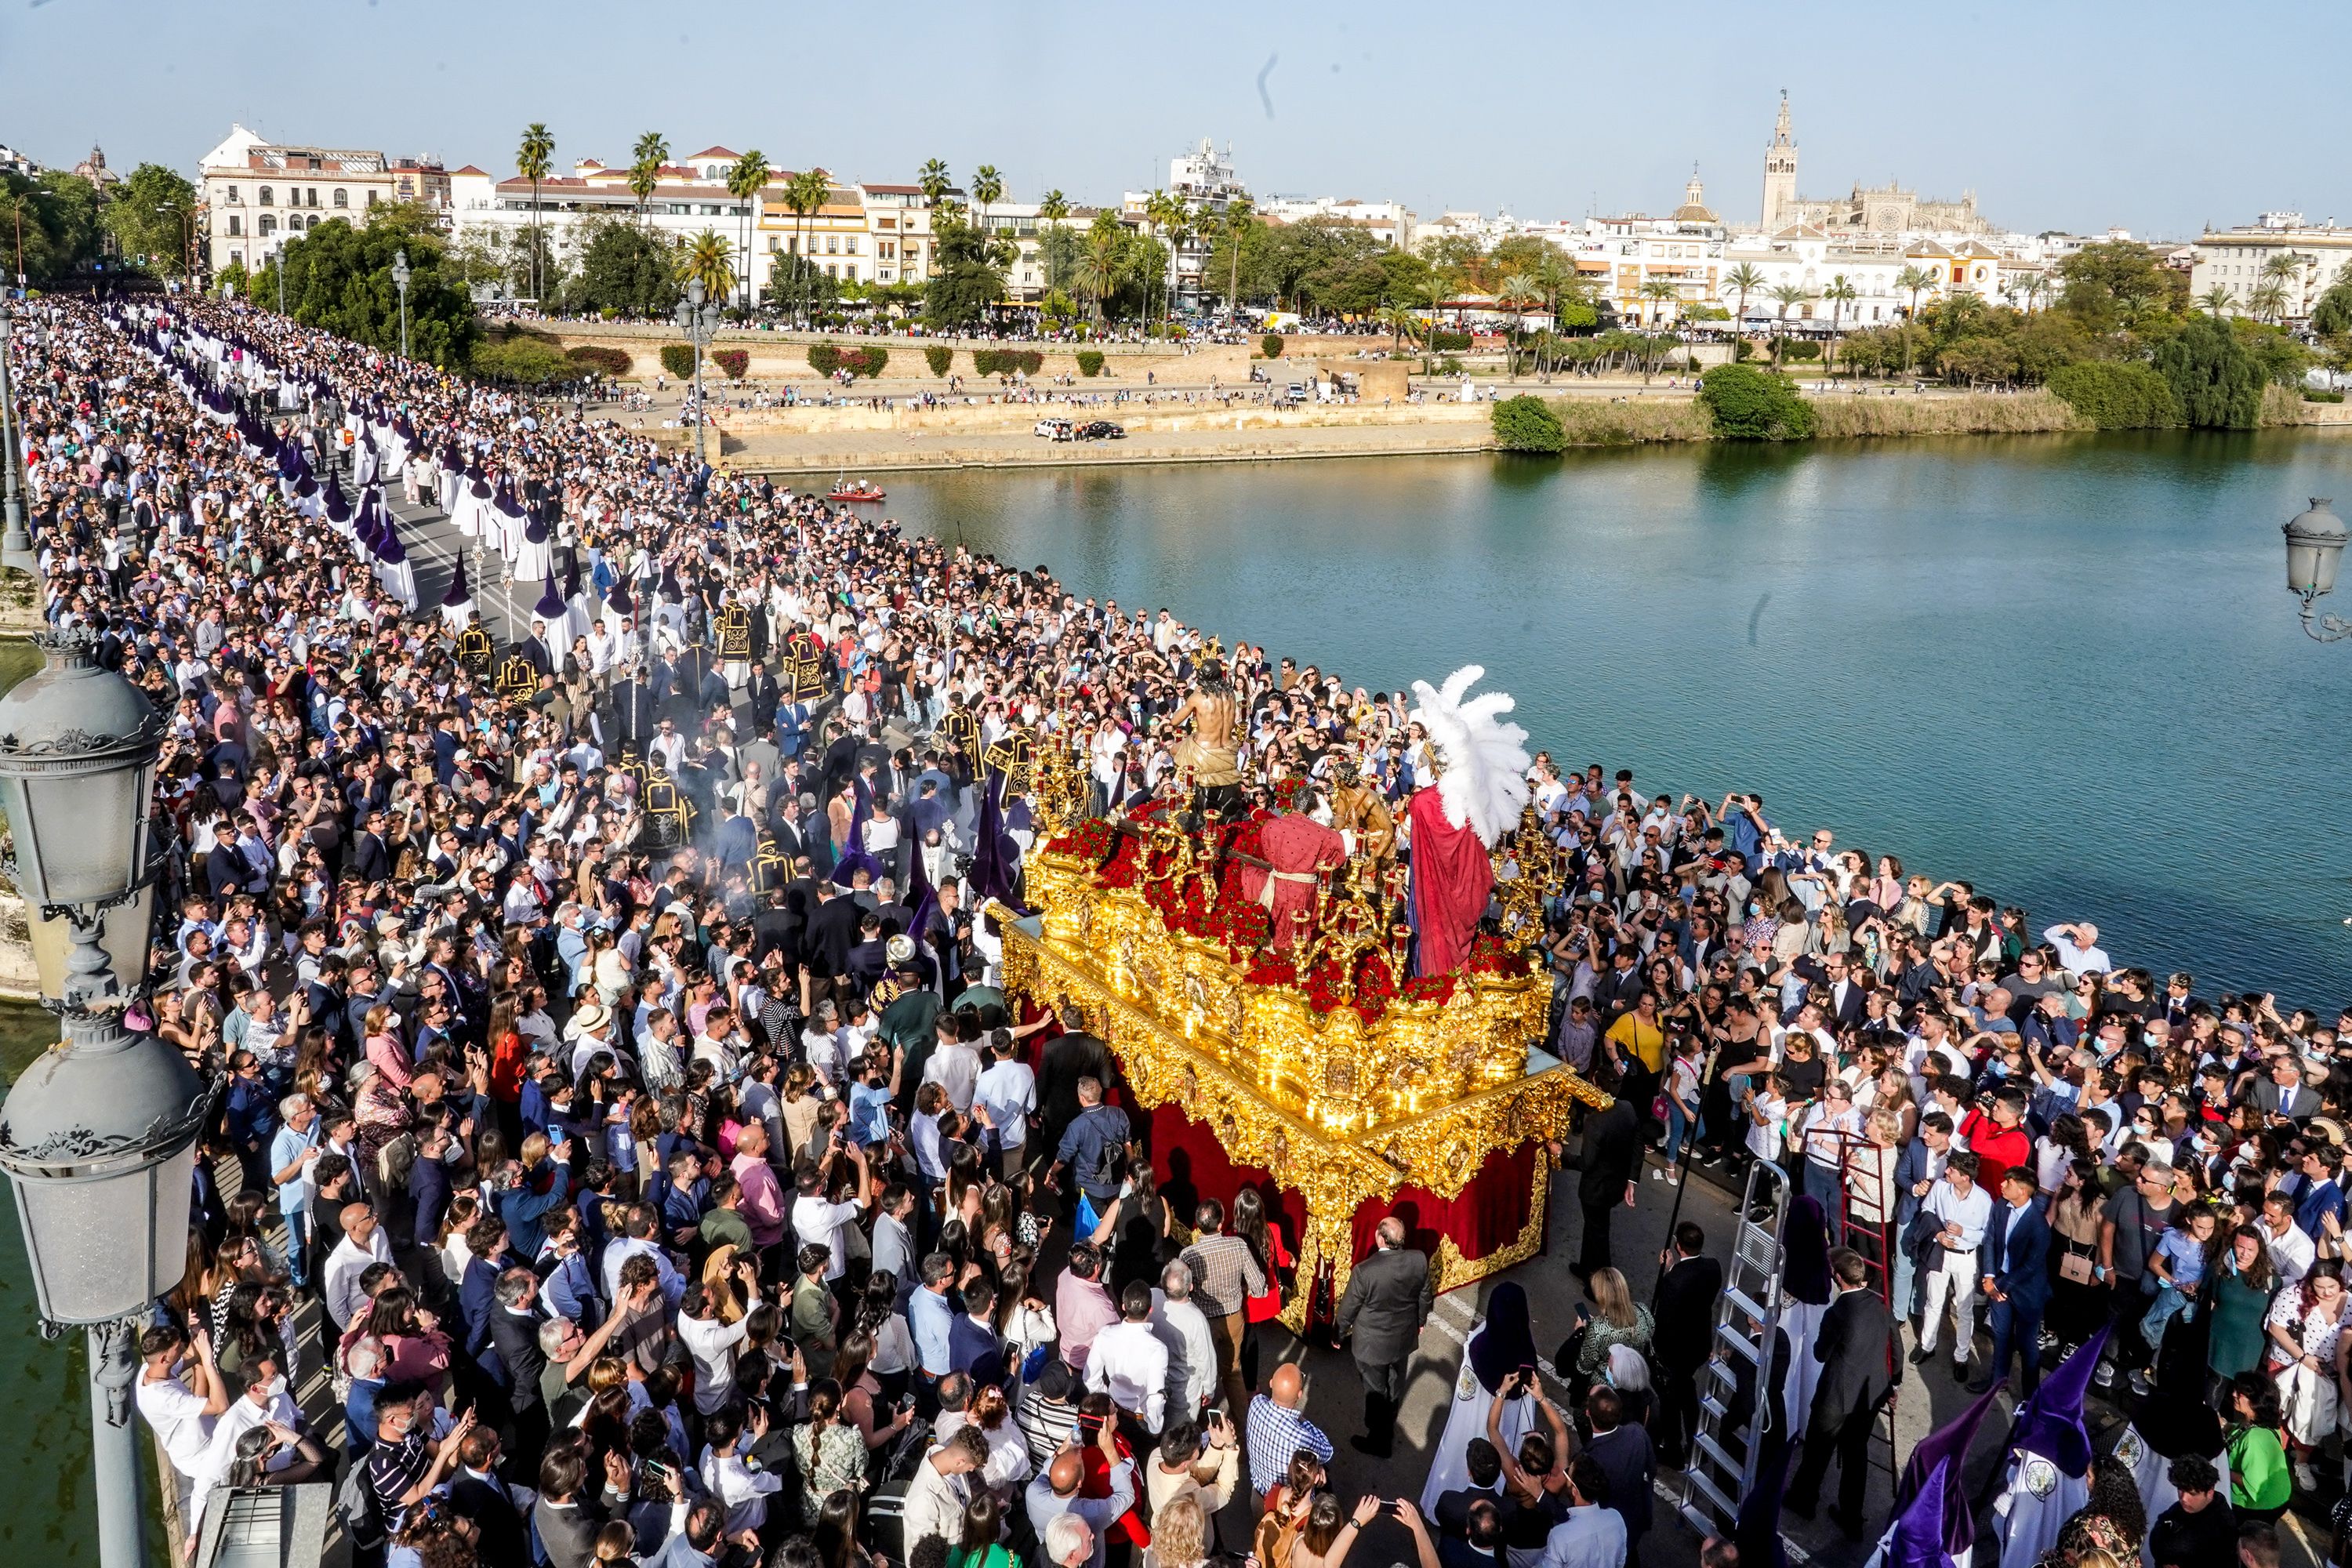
column 1488, row 1215
column 1451, row 880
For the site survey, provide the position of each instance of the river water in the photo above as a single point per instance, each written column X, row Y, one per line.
column 2064, row 667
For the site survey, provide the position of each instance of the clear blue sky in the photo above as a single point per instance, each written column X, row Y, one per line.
column 2155, row 116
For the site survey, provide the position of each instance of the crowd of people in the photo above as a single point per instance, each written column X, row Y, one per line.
column 616, row 1053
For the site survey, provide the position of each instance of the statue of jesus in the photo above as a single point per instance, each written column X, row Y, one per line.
column 1209, row 753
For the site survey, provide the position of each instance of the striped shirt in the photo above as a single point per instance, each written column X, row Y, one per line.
column 1276, row 1433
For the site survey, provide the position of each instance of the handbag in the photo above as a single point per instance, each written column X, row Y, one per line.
column 2075, row 1268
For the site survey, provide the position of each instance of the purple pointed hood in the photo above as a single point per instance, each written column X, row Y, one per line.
column 1918, row 1540
column 2052, row 1422
column 459, row 593
column 1949, row 1441
column 1806, row 1238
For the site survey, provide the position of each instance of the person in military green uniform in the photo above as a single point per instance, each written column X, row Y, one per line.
column 908, row 1025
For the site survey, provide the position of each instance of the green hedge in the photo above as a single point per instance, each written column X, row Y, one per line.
column 825, row 358
column 600, row 360
column 2117, row 395
column 1005, row 362
column 734, row 361
column 1749, row 405
column 1443, row 341
column 525, row 362
column 2321, row 395
column 865, row 362
column 1272, row 345
column 678, row 359
column 1090, row 362
column 1526, row 424
column 938, row 359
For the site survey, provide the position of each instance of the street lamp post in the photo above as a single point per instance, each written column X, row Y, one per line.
column 2315, row 548
column 399, row 281
column 16, row 544
column 699, row 321
column 99, row 1136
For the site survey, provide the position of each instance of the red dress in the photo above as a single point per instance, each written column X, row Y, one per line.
column 1298, row 847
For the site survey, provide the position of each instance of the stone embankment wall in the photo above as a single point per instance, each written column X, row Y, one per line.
column 783, row 356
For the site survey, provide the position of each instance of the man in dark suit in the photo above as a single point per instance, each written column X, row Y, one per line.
column 1855, row 1346
column 832, row 933
column 2284, row 1094
column 514, row 1333
column 476, row 1493
column 634, row 715
column 573, row 1505
column 1386, row 1302
column 1683, row 1340
column 539, row 651
column 1846, row 994
column 2016, row 1279
column 1623, row 1453
column 370, row 856
column 1609, row 1160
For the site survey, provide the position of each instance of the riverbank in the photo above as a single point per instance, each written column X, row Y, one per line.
column 860, row 439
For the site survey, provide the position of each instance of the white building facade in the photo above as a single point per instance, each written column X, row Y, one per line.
column 256, row 193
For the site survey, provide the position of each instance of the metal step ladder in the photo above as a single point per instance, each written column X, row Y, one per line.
column 1866, row 1224
column 1722, row 1467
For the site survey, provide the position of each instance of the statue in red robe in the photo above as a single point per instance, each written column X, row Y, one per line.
column 1451, row 880
column 1299, row 849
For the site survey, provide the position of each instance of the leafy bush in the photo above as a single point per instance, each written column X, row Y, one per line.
column 938, row 358
column 734, row 361
column 678, row 359
column 1526, row 424
column 2117, row 395
column 1029, row 360
column 825, row 358
column 1272, row 344
column 1443, row 341
column 2218, row 383
column 1090, row 362
column 1801, row 349
column 525, row 362
column 987, row 362
column 1749, row 405
column 602, row 361
column 2321, row 395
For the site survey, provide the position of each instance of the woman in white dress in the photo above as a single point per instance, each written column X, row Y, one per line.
column 1501, row 1345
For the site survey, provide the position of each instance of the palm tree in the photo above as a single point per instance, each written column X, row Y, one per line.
column 745, row 180
column 1099, row 268
column 1517, row 295
column 646, row 165
column 1401, row 324
column 2217, row 300
column 1053, row 207
column 934, row 180
column 1658, row 292
column 1785, row 295
column 709, row 261
column 1912, row 279
column 2036, row 285
column 1239, row 215
column 2284, row 270
column 1180, row 227
column 987, row 186
column 1840, row 294
column 1743, row 280
column 534, row 160
column 1159, row 211
column 2269, row 300
column 804, row 193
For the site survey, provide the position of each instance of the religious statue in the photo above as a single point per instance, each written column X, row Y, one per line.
column 1209, row 756
column 1298, row 848
column 1482, row 783
column 1360, row 816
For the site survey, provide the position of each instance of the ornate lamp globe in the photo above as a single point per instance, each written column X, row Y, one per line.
column 77, row 749
column 98, row 1138
column 2315, row 548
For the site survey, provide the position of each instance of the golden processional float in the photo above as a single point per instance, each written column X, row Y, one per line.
column 1318, row 1071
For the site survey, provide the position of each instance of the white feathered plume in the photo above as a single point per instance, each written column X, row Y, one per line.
column 1484, row 785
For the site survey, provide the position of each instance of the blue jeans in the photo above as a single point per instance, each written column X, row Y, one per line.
column 1678, row 1122
column 1822, row 1184
column 1903, row 1284
column 298, row 1245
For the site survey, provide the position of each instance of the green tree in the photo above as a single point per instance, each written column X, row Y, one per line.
column 49, row 227
column 523, row 360
column 534, row 158
column 1785, row 295
column 798, row 284
column 1100, row 269
column 805, row 194
column 2267, row 300
column 2218, row 300
column 339, row 279
column 987, row 190
column 1234, row 224
column 646, row 166
column 1840, row 294
column 1743, row 280
column 624, row 268
column 1749, row 405
column 745, row 180
column 151, row 217
column 1526, row 424
column 935, row 182
column 2331, row 316
column 2114, row 283
column 2216, row 381
column 709, row 261
column 2117, row 395
column 967, row 273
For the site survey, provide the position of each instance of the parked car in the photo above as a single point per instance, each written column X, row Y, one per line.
column 1295, row 391
column 1053, row 429
column 1101, row 430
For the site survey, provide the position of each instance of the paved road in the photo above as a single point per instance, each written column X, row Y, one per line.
column 434, row 544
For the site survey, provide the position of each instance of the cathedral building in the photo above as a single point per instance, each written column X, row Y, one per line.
column 1888, row 209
